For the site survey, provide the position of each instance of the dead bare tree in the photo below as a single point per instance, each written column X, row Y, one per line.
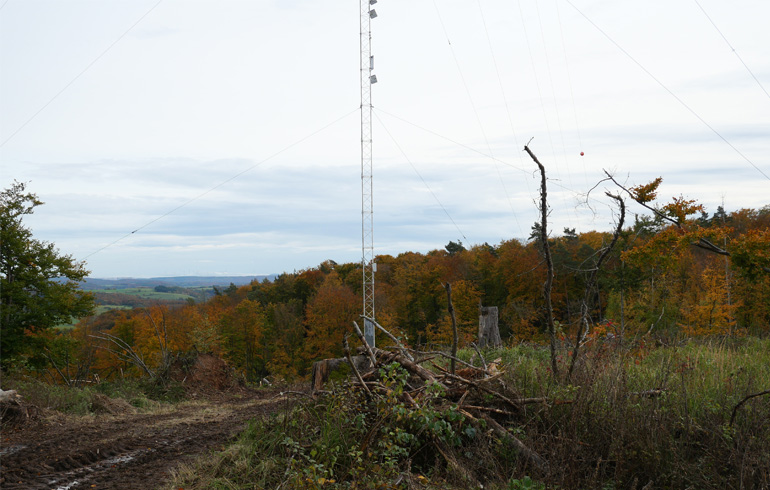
column 590, row 287
column 548, row 286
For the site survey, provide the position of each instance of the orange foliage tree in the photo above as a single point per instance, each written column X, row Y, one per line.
column 328, row 316
column 241, row 332
column 466, row 299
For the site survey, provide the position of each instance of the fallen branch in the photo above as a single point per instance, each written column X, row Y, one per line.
column 462, row 398
column 426, row 359
column 412, row 367
column 299, row 393
column 458, row 468
column 488, row 409
column 491, row 378
column 747, row 398
column 365, row 343
column 346, row 348
column 649, row 393
column 476, row 348
column 529, row 454
column 392, row 337
column 485, row 389
column 448, row 356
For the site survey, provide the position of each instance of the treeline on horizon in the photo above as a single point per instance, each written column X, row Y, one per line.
column 657, row 282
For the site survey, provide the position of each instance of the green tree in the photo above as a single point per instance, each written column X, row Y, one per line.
column 38, row 285
column 454, row 248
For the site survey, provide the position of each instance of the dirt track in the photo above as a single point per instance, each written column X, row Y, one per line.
column 124, row 451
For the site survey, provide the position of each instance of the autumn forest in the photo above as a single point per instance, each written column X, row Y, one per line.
column 628, row 356
column 660, row 279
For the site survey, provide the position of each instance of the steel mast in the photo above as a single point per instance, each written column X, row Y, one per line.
column 367, row 205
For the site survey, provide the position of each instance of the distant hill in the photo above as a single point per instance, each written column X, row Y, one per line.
column 180, row 281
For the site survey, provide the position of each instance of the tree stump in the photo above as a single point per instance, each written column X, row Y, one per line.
column 327, row 369
column 12, row 411
column 489, row 331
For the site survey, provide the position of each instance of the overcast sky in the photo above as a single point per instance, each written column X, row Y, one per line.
column 119, row 112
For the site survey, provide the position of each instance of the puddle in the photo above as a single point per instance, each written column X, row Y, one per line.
column 68, row 486
column 117, row 460
column 5, row 451
column 83, row 473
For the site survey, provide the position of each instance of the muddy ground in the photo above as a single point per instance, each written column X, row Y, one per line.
column 125, row 451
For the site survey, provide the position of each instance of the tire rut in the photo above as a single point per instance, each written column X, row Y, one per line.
column 125, row 453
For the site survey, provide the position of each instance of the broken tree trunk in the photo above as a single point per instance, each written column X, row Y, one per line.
column 548, row 261
column 489, row 331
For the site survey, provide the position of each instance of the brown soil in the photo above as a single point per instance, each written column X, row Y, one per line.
column 120, row 449
column 203, row 375
column 124, row 451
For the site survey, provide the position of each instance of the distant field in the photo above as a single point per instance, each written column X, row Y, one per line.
column 148, row 293
column 142, row 297
column 105, row 308
column 93, row 283
column 99, row 310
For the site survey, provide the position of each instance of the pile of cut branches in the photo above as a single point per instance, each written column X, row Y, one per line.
column 477, row 396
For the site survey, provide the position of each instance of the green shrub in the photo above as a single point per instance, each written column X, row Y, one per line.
column 55, row 397
column 80, row 400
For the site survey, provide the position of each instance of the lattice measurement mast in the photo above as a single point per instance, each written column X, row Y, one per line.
column 367, row 203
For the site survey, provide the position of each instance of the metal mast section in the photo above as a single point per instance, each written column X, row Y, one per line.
column 367, row 205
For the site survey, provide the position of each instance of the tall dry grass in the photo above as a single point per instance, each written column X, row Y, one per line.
column 659, row 414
